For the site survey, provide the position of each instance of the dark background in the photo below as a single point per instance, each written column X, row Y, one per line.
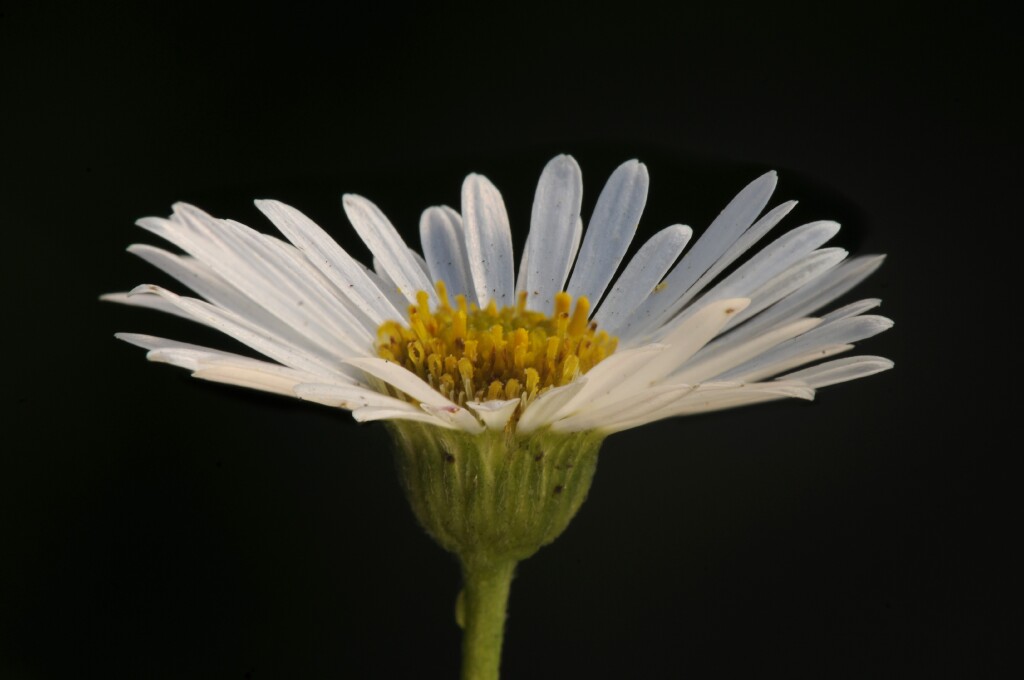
column 155, row 526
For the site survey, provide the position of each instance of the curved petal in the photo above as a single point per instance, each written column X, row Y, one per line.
column 495, row 413
column 444, row 247
column 611, row 230
column 556, row 210
column 387, row 246
column 709, row 250
column 642, row 275
column 330, row 259
column 488, row 242
column 408, row 382
column 840, row 370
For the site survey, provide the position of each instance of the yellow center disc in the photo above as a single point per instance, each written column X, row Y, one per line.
column 472, row 354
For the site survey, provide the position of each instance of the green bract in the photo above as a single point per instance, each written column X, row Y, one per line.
column 495, row 496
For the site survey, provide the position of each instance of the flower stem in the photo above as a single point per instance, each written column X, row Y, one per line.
column 484, row 602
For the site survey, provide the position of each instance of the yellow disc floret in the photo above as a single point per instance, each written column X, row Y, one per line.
column 472, row 354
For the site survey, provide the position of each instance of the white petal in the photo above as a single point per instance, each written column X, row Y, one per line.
column 811, row 298
column 773, row 260
column 522, row 282
column 371, row 413
column 611, row 230
column 251, row 370
column 441, row 234
column 387, row 246
column 714, row 397
column 840, row 370
column 350, row 313
column 193, row 274
column 224, row 367
column 206, row 239
column 259, row 339
column 642, row 275
column 602, row 382
column 556, row 209
column 706, row 365
column 494, row 413
column 683, row 343
column 723, row 233
column 488, row 242
column 349, row 397
column 852, row 309
column 408, row 382
column 214, row 289
column 606, row 417
column 461, row 418
column 147, row 302
column 401, row 379
column 749, row 238
column 762, row 370
column 150, row 342
column 418, row 259
column 330, row 259
column 801, row 274
column 181, row 354
column 243, row 258
column 252, row 376
column 541, row 410
column 632, row 372
column 844, row 331
column 700, row 401
column 577, row 236
column 310, row 302
column 386, row 286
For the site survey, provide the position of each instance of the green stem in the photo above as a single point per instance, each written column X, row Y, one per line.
column 484, row 601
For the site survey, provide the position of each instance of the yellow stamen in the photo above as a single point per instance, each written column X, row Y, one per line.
column 469, row 353
column 496, row 390
column 579, row 316
column 442, row 295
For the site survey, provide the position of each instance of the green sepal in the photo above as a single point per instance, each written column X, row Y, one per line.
column 494, row 497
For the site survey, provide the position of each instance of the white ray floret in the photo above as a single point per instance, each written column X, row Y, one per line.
column 615, row 220
column 642, row 275
column 488, row 242
column 444, row 246
column 719, row 326
column 716, row 242
column 387, row 246
column 339, row 267
column 556, row 210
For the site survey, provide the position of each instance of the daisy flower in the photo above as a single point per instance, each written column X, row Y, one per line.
column 500, row 382
column 456, row 338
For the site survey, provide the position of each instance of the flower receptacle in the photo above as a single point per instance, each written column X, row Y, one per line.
column 497, row 496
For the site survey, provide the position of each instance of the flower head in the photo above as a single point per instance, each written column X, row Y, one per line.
column 458, row 339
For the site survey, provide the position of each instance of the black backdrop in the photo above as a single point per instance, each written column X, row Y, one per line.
column 160, row 527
